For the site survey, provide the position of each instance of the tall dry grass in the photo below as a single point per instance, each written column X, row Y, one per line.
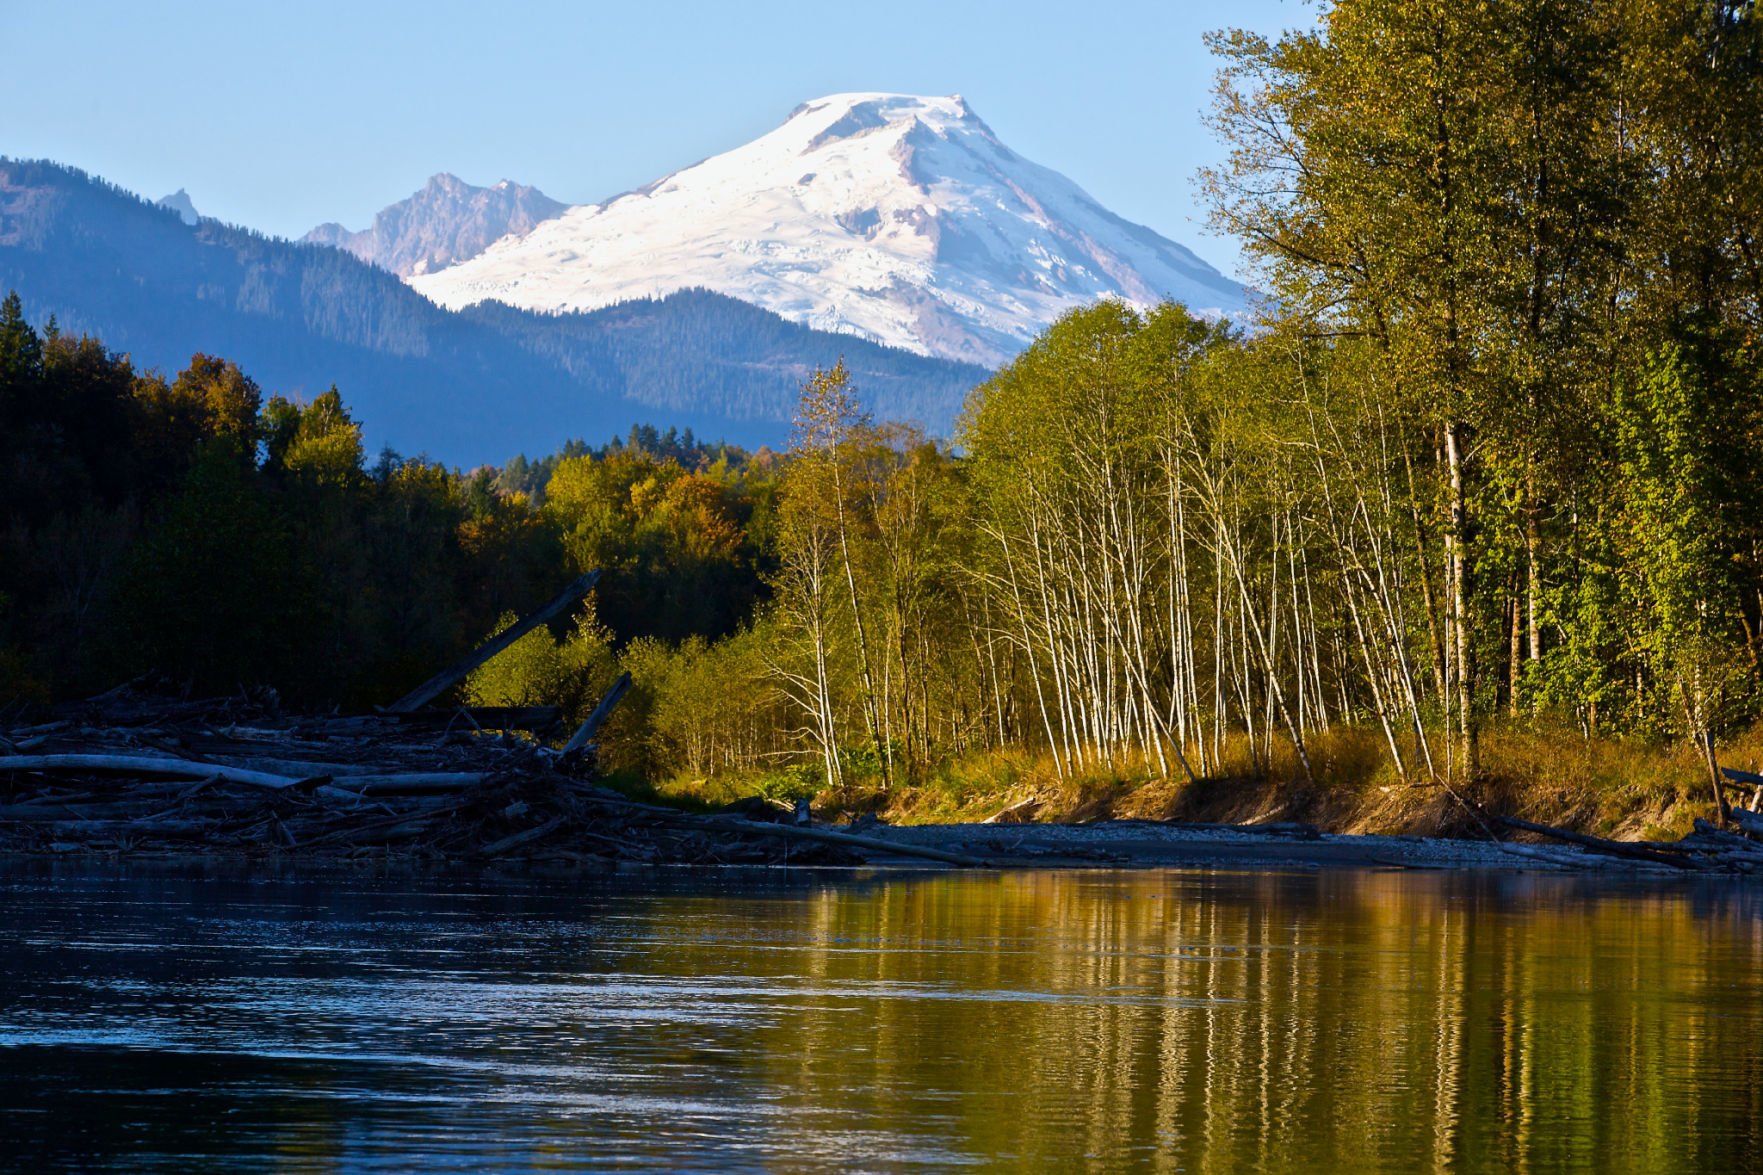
column 1621, row 787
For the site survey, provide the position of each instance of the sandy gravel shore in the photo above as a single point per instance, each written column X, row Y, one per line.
column 1148, row 844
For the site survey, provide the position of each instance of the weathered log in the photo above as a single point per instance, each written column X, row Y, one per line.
column 1021, row 812
column 1717, row 835
column 1615, row 848
column 408, row 782
column 1540, row 853
column 354, row 833
column 177, row 828
column 1726, row 846
column 146, row 765
column 1743, row 780
column 875, row 844
column 1290, row 829
column 441, row 682
column 534, row 718
column 49, row 812
column 1751, row 822
column 594, row 721
column 525, row 837
column 296, row 768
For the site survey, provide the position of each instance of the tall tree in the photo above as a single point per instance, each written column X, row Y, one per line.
column 1417, row 173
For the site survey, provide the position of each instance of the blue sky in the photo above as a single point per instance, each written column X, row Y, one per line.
column 280, row 116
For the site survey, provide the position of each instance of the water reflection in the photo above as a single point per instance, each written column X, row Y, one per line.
column 1168, row 1021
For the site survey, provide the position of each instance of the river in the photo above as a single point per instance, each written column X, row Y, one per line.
column 801, row 1021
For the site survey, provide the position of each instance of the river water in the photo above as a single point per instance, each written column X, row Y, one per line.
column 1344, row 1021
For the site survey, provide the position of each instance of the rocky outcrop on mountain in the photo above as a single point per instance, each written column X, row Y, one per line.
column 446, row 222
column 180, row 203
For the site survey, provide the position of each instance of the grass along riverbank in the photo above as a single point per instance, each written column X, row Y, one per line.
column 1622, row 788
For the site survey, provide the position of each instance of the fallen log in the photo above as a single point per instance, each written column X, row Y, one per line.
column 178, row 828
column 1614, row 848
column 1539, row 853
column 537, row 719
column 1021, row 812
column 877, row 844
column 526, row 836
column 294, row 768
column 1751, row 822
column 1725, row 845
column 1741, row 781
column 1290, row 829
column 147, row 765
column 1714, row 834
column 447, row 678
column 355, row 833
column 407, row 782
column 50, row 812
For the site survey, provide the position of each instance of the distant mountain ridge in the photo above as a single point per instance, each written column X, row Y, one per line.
column 471, row 387
column 891, row 217
column 445, row 222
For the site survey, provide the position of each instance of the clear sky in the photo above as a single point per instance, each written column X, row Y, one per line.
column 281, row 116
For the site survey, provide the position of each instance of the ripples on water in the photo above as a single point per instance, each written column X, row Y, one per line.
column 1156, row 1020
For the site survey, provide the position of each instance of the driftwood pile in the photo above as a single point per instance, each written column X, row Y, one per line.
column 137, row 774
column 136, row 771
column 1708, row 849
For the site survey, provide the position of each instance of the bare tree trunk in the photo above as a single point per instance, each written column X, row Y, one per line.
column 1533, row 572
column 1462, row 647
column 1515, row 648
column 1423, row 551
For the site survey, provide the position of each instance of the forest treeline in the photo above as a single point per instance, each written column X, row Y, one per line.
column 1488, row 458
column 196, row 528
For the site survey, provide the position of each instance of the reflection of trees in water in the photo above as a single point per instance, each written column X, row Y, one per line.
column 1329, row 1022
column 1357, row 1021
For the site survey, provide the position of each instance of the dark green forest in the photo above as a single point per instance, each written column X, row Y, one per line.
column 1485, row 471
column 196, row 528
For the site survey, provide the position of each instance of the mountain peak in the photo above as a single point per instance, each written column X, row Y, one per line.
column 901, row 105
column 444, row 222
column 842, row 116
column 897, row 217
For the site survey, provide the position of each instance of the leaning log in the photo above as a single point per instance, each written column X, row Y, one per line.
column 451, row 676
column 1614, row 848
column 601, row 713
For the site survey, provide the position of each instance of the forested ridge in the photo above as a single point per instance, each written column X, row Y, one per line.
column 466, row 387
column 1483, row 479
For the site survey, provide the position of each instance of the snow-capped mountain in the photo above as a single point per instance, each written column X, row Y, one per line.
column 448, row 221
column 897, row 218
